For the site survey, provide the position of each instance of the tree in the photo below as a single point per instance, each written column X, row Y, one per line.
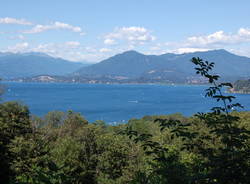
column 227, row 162
column 1, row 88
column 32, row 162
column 14, row 122
column 230, row 162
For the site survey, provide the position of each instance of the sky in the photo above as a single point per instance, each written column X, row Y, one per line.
column 93, row 30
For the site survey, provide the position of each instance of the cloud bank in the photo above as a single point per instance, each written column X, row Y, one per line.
column 9, row 20
column 133, row 35
column 54, row 26
column 220, row 38
column 114, row 42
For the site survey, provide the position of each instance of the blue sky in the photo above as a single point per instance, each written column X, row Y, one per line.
column 92, row 30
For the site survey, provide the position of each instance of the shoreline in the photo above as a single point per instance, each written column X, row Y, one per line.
column 237, row 92
column 108, row 83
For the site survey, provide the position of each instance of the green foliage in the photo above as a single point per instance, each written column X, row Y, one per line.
column 63, row 148
column 165, row 162
column 231, row 161
column 220, row 150
column 32, row 163
column 2, row 89
column 14, row 123
column 77, row 155
column 119, row 159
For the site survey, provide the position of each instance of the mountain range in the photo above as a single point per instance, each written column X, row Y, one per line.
column 127, row 67
column 167, row 67
column 14, row 65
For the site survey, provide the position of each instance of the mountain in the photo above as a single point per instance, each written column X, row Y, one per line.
column 167, row 67
column 241, row 86
column 127, row 64
column 31, row 64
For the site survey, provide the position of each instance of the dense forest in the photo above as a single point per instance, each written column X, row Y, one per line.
column 206, row 148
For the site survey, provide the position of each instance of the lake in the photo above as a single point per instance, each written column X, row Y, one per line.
column 115, row 102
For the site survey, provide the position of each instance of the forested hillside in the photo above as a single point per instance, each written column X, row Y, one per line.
column 241, row 86
column 168, row 68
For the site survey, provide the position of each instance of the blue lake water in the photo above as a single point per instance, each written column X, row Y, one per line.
column 113, row 103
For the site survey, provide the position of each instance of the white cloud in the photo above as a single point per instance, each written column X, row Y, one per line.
column 128, row 38
column 109, row 41
column 71, row 50
column 21, row 37
column 105, row 50
column 73, row 44
column 134, row 35
column 19, row 47
column 214, row 38
column 220, row 38
column 238, row 40
column 244, row 32
column 155, row 48
column 188, row 50
column 242, row 51
column 18, row 37
column 90, row 49
column 44, row 48
column 9, row 20
column 55, row 26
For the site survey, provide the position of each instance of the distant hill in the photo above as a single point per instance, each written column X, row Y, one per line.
column 32, row 64
column 241, row 86
column 175, row 68
column 127, row 67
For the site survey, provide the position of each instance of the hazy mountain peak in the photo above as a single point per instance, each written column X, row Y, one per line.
column 41, row 54
column 219, row 51
column 131, row 52
column 14, row 65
